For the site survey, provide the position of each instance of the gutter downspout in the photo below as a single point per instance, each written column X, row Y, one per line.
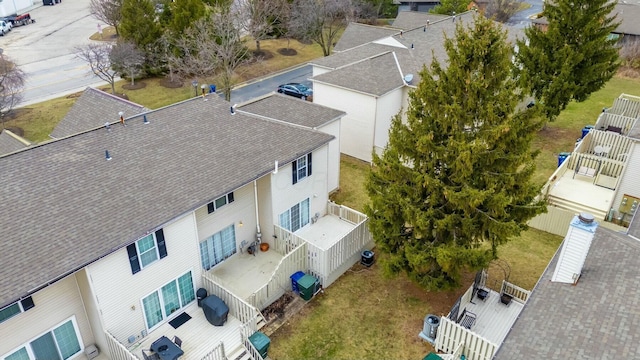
column 255, row 196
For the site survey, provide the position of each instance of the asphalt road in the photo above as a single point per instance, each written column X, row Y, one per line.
column 44, row 50
column 264, row 86
column 522, row 19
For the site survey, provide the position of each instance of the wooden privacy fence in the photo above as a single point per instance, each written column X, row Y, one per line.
column 284, row 241
column 452, row 336
column 280, row 280
column 555, row 221
column 627, row 105
column 117, row 350
column 345, row 213
column 328, row 264
column 616, row 147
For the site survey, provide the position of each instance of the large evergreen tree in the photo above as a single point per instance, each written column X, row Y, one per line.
column 573, row 57
column 139, row 24
column 184, row 14
column 451, row 7
column 454, row 181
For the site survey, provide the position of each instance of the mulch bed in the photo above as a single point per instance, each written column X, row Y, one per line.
column 262, row 55
column 276, row 309
column 287, row 52
column 16, row 130
column 170, row 84
column 135, row 86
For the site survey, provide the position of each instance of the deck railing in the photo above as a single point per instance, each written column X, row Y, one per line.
column 345, row 213
column 253, row 352
column 238, row 308
column 608, row 120
column 519, row 294
column 452, row 336
column 217, row 353
column 280, row 280
column 615, row 146
column 284, row 241
column 627, row 105
column 117, row 350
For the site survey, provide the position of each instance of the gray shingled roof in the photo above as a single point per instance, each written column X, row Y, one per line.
column 10, row 142
column 351, row 56
column 359, row 77
column 407, row 20
column 102, row 106
column 292, row 110
column 64, row 205
column 596, row 319
column 357, row 34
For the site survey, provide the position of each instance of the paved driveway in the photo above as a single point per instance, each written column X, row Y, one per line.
column 44, row 50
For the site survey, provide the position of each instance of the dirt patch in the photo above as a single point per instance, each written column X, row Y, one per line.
column 287, row 52
column 277, row 309
column 554, row 135
column 170, row 84
column 135, row 86
column 262, row 55
column 16, row 130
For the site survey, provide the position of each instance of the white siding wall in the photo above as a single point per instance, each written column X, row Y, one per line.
column 572, row 255
column 388, row 106
column 241, row 209
column 357, row 127
column 91, row 308
column 285, row 194
column 630, row 182
column 334, row 155
column 265, row 207
column 53, row 305
column 119, row 293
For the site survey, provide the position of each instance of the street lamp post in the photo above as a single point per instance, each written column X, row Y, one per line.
column 195, row 86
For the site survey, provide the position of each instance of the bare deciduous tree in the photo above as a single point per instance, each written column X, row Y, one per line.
column 107, row 11
column 11, row 83
column 212, row 45
column 630, row 53
column 259, row 17
column 321, row 20
column 502, row 10
column 126, row 58
column 97, row 56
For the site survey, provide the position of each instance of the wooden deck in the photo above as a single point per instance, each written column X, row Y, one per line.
column 582, row 190
column 197, row 335
column 327, row 231
column 493, row 319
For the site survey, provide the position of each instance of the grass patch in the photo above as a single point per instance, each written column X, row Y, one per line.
column 353, row 175
column 38, row 120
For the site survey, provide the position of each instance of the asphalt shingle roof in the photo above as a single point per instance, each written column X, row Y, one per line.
column 64, row 205
column 407, row 20
column 9, row 142
column 292, row 110
column 101, row 106
column 358, row 34
column 596, row 319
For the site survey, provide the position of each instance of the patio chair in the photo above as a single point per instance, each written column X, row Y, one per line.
column 506, row 299
column 177, row 341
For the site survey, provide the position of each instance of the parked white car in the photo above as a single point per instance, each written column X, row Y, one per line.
column 5, row 27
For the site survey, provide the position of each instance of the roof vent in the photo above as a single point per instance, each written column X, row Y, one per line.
column 412, row 45
column 107, row 155
column 122, row 118
column 408, row 78
column 233, row 109
column 107, row 125
column 145, row 120
column 586, row 218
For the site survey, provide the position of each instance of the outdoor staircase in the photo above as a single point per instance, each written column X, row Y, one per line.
column 240, row 353
column 576, row 208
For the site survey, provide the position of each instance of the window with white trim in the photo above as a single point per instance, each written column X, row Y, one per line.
column 61, row 342
column 301, row 168
column 159, row 305
column 16, row 308
column 218, row 247
column 220, row 202
column 296, row 217
column 146, row 251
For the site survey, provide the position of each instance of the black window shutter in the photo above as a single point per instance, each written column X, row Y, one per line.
column 308, row 164
column 27, row 303
column 230, row 197
column 294, row 168
column 162, row 247
column 210, row 207
column 133, row 258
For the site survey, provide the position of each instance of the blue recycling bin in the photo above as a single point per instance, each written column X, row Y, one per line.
column 294, row 281
column 585, row 130
column 562, row 157
column 212, row 89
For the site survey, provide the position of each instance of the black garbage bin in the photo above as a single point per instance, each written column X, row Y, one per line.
column 201, row 294
column 367, row 258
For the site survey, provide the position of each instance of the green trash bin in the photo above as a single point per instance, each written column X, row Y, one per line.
column 261, row 342
column 307, row 286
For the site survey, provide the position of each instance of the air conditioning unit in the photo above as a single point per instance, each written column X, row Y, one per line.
column 91, row 351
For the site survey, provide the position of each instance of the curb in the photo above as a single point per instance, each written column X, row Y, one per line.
column 268, row 76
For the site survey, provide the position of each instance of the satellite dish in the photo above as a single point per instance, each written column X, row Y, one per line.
column 408, row 78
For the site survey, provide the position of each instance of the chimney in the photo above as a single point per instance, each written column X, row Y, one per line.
column 575, row 248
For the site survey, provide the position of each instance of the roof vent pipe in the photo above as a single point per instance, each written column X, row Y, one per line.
column 275, row 167
column 107, row 125
column 145, row 120
column 233, row 109
column 107, row 155
column 122, row 118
